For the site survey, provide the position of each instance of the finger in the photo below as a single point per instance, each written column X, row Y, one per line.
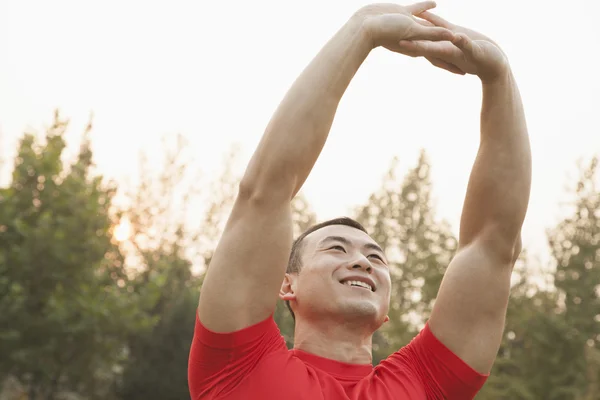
column 419, row 48
column 423, row 22
column 433, row 33
column 407, row 48
column 411, row 49
column 406, row 53
column 441, row 50
column 420, row 7
column 464, row 43
column 435, row 19
column 444, row 65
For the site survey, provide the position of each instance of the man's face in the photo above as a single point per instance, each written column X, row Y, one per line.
column 344, row 275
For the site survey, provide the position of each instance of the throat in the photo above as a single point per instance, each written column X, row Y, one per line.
column 334, row 339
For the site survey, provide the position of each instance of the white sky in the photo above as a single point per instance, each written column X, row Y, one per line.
column 216, row 70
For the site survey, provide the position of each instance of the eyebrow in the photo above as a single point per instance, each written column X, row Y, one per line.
column 342, row 239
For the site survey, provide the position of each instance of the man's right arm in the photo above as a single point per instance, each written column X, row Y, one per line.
column 247, row 269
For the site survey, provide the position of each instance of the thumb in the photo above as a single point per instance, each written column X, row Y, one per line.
column 418, row 8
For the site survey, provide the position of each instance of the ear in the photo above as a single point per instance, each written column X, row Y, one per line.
column 387, row 318
column 286, row 293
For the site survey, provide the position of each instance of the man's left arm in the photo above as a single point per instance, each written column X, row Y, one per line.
column 469, row 313
column 470, row 310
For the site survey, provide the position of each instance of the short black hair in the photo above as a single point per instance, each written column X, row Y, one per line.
column 295, row 262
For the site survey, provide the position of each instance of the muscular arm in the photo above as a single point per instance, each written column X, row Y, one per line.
column 243, row 279
column 470, row 310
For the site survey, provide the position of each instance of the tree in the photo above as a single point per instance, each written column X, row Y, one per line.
column 162, row 247
column 529, row 362
column 550, row 347
column 62, row 278
column 399, row 217
column 575, row 245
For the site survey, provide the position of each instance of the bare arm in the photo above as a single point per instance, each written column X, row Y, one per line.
column 470, row 310
column 246, row 272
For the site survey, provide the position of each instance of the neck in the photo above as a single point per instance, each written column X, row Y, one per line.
column 335, row 340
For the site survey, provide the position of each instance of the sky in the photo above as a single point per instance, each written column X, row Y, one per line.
column 214, row 71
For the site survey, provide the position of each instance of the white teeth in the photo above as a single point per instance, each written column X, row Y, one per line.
column 359, row 283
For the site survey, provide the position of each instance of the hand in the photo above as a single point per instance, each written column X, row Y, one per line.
column 388, row 24
column 469, row 53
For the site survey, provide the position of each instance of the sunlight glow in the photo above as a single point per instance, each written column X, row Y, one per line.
column 123, row 230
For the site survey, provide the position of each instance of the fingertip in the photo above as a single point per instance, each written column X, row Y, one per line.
column 444, row 34
column 450, row 36
column 426, row 5
column 459, row 40
column 408, row 46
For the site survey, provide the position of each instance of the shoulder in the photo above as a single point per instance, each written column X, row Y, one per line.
column 427, row 362
column 219, row 362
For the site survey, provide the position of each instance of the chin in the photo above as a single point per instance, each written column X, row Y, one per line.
column 363, row 310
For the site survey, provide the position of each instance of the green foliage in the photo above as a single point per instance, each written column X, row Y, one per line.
column 157, row 366
column 161, row 247
column 550, row 350
column 530, row 363
column 62, row 281
column 575, row 245
column 400, row 218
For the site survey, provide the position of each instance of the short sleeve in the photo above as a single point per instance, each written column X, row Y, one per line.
column 219, row 361
column 442, row 373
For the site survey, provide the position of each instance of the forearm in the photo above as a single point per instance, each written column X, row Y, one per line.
column 299, row 128
column 499, row 186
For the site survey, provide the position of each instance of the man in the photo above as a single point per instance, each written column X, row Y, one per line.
column 338, row 282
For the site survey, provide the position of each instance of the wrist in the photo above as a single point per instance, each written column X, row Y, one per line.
column 361, row 22
column 500, row 78
column 501, row 71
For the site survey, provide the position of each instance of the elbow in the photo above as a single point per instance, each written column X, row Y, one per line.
column 503, row 245
column 517, row 249
column 265, row 192
column 251, row 193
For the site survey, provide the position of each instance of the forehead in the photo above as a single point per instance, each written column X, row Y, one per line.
column 356, row 236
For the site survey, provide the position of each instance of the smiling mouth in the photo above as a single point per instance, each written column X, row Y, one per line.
column 358, row 284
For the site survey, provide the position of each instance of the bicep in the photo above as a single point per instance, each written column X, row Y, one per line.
column 244, row 276
column 470, row 309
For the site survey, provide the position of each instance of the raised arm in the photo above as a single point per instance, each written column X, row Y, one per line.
column 470, row 310
column 247, row 269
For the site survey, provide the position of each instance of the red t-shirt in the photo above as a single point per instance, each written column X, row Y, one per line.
column 254, row 363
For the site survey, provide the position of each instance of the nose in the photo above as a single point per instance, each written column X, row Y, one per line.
column 362, row 263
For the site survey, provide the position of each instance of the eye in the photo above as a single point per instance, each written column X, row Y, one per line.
column 377, row 256
column 337, row 247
